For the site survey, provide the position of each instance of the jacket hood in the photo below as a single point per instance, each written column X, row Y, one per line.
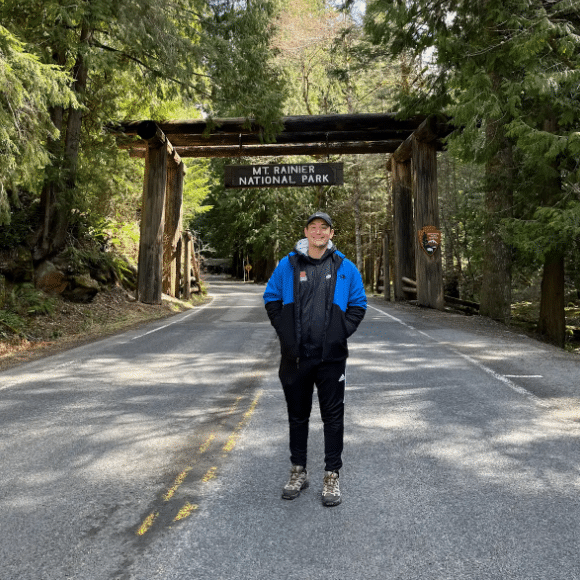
column 301, row 247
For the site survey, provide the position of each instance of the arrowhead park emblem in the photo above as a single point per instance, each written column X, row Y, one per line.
column 429, row 239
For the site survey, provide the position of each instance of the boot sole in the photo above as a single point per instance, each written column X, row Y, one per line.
column 286, row 495
column 331, row 502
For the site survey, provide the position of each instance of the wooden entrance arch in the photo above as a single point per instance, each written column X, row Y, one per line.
column 412, row 142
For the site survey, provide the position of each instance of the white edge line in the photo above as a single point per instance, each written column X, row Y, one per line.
column 502, row 378
column 69, row 363
column 194, row 311
column 72, row 362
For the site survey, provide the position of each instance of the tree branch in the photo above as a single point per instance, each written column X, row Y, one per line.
column 148, row 67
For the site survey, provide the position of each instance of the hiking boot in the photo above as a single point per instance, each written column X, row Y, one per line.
column 297, row 482
column 330, row 489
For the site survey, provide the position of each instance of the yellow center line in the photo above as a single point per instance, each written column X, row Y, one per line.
column 147, row 523
column 178, row 481
column 185, row 511
column 207, row 443
column 232, row 439
column 188, row 508
column 234, row 405
column 210, row 474
column 181, row 477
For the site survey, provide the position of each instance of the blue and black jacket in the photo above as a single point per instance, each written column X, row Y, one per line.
column 344, row 309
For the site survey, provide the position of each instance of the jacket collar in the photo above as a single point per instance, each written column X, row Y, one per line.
column 301, row 246
column 301, row 249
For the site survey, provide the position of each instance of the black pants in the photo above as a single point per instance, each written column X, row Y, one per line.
column 298, row 382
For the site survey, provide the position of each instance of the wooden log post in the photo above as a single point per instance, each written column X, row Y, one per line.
column 173, row 225
column 179, row 259
column 191, row 247
column 424, row 173
column 403, row 228
column 150, row 266
column 187, row 246
column 195, row 261
column 386, row 267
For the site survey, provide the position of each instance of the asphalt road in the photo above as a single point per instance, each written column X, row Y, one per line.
column 160, row 453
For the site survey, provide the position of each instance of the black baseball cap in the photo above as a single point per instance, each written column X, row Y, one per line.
column 320, row 215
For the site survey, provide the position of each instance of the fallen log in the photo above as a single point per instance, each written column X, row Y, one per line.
column 411, row 288
column 460, row 302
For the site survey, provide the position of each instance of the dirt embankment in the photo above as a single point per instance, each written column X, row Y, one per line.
column 73, row 324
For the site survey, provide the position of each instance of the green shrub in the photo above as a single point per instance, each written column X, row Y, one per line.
column 25, row 299
column 11, row 323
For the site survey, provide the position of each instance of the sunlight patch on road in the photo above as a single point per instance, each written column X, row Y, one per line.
column 399, row 421
column 498, row 376
column 180, row 319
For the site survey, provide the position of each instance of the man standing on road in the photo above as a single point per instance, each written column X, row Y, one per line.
column 315, row 300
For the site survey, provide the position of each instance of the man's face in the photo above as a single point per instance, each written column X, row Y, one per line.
column 318, row 233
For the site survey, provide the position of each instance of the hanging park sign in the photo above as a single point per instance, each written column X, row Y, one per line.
column 287, row 175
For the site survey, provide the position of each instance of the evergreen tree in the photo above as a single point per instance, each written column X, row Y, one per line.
column 462, row 218
column 27, row 89
column 330, row 70
column 333, row 71
column 214, row 54
column 496, row 64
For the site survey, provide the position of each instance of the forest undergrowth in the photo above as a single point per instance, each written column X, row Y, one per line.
column 66, row 325
column 525, row 317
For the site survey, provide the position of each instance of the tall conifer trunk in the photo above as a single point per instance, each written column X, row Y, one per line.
column 49, row 196
column 495, row 297
column 357, row 216
column 57, row 193
column 552, row 319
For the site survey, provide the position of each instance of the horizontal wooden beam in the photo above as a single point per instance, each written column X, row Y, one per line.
column 321, row 139
column 300, row 124
column 187, row 140
column 300, row 135
column 460, row 302
column 317, row 149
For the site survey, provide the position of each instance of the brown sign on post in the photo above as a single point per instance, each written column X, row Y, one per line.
column 284, row 175
column 429, row 239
